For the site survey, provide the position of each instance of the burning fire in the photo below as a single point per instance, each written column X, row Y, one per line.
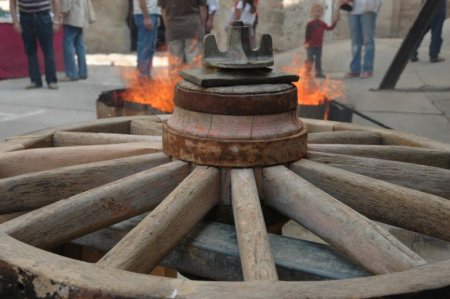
column 156, row 92
column 312, row 91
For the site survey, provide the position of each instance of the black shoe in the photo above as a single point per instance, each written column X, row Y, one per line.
column 83, row 78
column 414, row 59
column 436, row 59
column 320, row 75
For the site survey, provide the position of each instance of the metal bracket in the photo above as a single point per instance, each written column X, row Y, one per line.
column 239, row 54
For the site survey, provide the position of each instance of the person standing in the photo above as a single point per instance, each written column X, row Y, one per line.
column 362, row 22
column 185, row 23
column 36, row 25
column 436, row 35
column 246, row 12
column 146, row 16
column 75, row 19
column 315, row 30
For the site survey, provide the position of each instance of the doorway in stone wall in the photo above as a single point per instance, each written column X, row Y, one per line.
column 328, row 16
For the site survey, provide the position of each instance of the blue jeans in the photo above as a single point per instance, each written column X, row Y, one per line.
column 146, row 44
column 314, row 55
column 39, row 27
column 362, row 28
column 74, row 45
column 436, row 36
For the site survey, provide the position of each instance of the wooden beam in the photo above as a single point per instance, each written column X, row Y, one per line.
column 63, row 138
column 409, row 44
column 423, row 156
column 392, row 204
column 37, row 189
column 423, row 178
column 39, row 159
column 345, row 137
column 254, row 249
column 149, row 242
column 343, row 228
column 78, row 215
column 215, row 245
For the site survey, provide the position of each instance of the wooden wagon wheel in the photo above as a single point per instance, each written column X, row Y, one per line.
column 62, row 184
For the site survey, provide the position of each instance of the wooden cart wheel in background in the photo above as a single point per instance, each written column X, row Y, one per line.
column 71, row 182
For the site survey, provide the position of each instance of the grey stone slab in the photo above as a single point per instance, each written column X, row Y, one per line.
column 441, row 100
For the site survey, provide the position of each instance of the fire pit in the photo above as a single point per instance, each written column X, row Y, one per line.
column 402, row 178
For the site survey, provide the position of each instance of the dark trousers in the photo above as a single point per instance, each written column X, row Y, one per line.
column 314, row 56
column 436, row 36
column 39, row 27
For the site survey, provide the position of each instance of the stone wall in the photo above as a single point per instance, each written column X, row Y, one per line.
column 285, row 20
column 109, row 34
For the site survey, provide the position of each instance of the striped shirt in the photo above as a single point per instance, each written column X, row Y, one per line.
column 32, row 6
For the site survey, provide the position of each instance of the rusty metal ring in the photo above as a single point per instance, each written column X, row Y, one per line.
column 233, row 104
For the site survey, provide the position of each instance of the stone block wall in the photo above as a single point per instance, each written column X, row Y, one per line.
column 285, row 20
column 110, row 33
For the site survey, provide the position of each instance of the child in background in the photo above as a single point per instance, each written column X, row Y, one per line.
column 314, row 39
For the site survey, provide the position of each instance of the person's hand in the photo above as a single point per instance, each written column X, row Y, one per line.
column 306, row 45
column 209, row 24
column 148, row 24
column 17, row 27
column 56, row 26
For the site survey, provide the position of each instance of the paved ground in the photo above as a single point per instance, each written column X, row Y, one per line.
column 425, row 113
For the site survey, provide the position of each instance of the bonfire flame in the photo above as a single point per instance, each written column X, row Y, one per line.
column 156, row 92
column 312, row 91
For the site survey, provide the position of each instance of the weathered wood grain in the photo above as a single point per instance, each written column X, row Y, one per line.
column 9, row 216
column 63, row 138
column 150, row 241
column 343, row 228
column 433, row 180
column 345, row 137
column 20, row 162
column 423, row 156
column 145, row 127
column 254, row 248
column 78, row 215
column 37, row 189
column 211, row 251
column 382, row 201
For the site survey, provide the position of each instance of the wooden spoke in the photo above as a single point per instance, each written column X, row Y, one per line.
column 254, row 249
column 37, row 189
column 63, row 138
column 156, row 235
column 427, row 179
column 430, row 157
column 381, row 201
column 9, row 216
column 100, row 207
column 345, row 137
column 345, row 229
column 10, row 147
column 20, row 162
column 145, row 127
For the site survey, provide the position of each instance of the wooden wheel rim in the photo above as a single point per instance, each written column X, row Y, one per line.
column 28, row 263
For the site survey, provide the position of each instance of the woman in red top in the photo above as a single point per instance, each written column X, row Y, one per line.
column 314, row 38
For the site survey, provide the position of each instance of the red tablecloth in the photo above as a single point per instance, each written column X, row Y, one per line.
column 13, row 60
